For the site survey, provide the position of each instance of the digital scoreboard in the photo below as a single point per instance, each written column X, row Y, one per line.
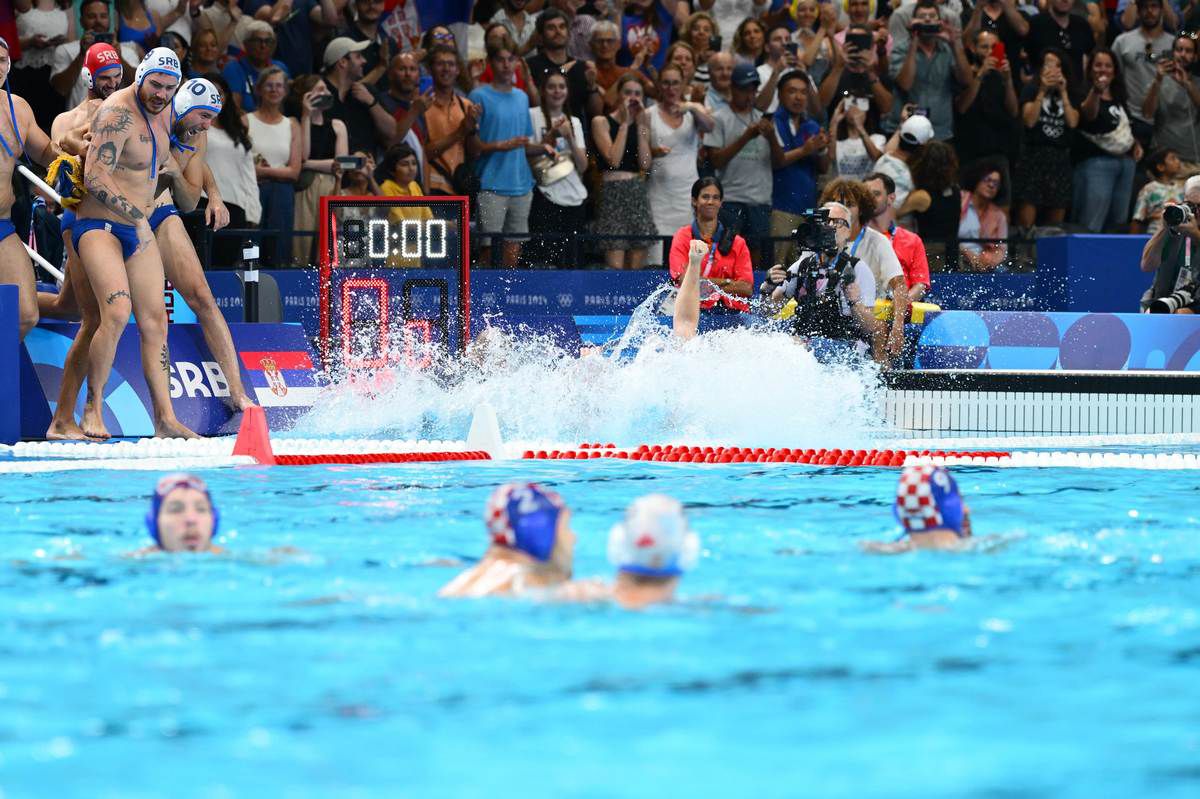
column 394, row 279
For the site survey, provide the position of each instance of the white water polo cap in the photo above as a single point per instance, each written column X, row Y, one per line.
column 196, row 94
column 160, row 59
column 654, row 539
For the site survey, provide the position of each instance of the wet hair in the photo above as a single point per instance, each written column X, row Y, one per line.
column 978, row 170
column 935, row 168
column 889, row 185
column 703, row 183
column 852, row 193
column 231, row 120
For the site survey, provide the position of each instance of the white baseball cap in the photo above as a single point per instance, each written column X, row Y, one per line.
column 341, row 47
column 916, row 130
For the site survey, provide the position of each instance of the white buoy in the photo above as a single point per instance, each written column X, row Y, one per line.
column 485, row 432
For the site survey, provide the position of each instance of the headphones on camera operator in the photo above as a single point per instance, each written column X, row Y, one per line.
column 815, row 283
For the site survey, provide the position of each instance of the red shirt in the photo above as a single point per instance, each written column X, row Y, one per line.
column 910, row 251
column 734, row 266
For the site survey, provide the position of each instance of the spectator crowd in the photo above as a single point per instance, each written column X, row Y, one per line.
column 976, row 124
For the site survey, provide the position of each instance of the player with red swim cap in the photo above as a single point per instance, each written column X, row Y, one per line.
column 930, row 509
column 532, row 544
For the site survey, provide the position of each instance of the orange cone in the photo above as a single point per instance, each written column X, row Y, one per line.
column 254, row 437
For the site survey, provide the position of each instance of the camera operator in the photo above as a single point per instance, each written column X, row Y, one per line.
column 1173, row 254
column 834, row 292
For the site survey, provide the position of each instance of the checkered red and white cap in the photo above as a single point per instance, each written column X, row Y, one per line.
column 524, row 516
column 927, row 498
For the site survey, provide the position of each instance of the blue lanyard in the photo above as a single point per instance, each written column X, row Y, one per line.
column 858, row 241
column 12, row 114
column 153, row 138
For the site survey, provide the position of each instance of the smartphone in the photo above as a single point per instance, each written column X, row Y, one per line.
column 859, row 40
column 323, row 102
column 105, row 37
column 920, row 111
column 1165, row 55
column 929, row 28
column 714, row 43
column 863, row 103
column 998, row 53
column 793, row 48
column 349, row 162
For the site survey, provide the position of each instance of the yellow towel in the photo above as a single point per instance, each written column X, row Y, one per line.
column 66, row 171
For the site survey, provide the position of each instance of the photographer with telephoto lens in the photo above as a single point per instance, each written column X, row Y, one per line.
column 1173, row 254
column 826, row 292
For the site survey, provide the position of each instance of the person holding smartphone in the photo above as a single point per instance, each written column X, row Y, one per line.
column 41, row 26
column 929, row 67
column 322, row 141
column 66, row 73
column 854, row 73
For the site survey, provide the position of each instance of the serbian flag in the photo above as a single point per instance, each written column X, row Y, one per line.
column 281, row 379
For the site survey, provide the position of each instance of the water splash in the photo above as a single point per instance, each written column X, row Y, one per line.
column 741, row 386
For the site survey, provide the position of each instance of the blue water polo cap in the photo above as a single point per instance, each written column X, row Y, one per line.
column 524, row 516
column 927, row 498
column 167, row 484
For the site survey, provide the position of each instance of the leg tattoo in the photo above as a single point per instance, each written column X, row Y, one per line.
column 113, row 297
column 164, row 360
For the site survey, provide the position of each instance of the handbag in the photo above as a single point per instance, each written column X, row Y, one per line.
column 548, row 171
column 1117, row 141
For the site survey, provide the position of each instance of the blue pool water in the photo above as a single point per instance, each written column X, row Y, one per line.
column 1060, row 661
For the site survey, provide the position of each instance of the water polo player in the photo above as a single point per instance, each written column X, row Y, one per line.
column 930, row 510
column 182, row 516
column 532, row 544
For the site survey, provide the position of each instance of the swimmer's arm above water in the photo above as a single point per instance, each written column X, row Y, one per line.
column 111, row 130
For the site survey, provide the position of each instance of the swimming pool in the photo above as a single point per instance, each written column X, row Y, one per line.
column 1058, row 661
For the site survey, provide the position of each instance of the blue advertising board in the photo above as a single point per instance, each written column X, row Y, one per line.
column 275, row 364
column 1060, row 341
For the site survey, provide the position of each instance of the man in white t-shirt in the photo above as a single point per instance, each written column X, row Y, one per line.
column 739, row 146
column 66, row 74
column 875, row 250
column 915, row 133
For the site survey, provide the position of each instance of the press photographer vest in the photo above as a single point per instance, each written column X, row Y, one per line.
column 821, row 305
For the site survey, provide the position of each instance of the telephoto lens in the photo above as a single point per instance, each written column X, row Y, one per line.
column 1176, row 215
column 1180, row 298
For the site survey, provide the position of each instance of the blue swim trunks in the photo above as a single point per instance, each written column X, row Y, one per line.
column 67, row 222
column 126, row 234
column 161, row 214
column 6, row 229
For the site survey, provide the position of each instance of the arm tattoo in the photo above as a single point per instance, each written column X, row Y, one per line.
column 164, row 360
column 107, row 154
column 113, row 297
column 111, row 121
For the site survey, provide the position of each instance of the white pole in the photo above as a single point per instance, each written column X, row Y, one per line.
column 44, row 263
column 40, row 184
